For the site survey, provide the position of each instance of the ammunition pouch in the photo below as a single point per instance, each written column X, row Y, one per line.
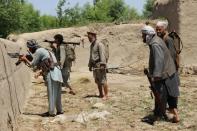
column 47, row 64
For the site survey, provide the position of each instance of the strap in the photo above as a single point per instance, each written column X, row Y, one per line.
column 51, row 56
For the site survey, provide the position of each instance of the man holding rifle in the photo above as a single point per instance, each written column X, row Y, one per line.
column 64, row 55
column 45, row 61
column 98, row 64
column 161, row 71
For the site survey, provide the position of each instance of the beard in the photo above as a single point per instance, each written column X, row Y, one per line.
column 160, row 34
column 144, row 40
column 33, row 50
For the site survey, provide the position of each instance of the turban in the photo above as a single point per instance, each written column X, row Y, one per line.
column 148, row 30
column 32, row 44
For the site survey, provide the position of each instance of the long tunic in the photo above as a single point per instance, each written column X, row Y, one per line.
column 60, row 54
column 162, row 65
column 97, row 54
column 170, row 44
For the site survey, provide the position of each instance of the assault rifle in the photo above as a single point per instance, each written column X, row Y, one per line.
column 69, row 43
column 154, row 91
column 18, row 55
column 146, row 72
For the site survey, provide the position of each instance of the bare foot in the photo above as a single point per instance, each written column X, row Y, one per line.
column 175, row 120
column 105, row 98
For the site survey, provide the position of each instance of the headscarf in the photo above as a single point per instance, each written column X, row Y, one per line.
column 32, row 44
column 149, row 31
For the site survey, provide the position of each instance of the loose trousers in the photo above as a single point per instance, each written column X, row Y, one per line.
column 66, row 75
column 54, row 94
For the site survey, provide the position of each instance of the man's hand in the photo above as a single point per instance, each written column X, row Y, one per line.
column 53, row 45
column 90, row 68
column 37, row 74
column 102, row 67
column 23, row 58
column 156, row 79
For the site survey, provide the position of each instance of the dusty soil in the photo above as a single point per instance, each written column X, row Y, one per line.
column 129, row 102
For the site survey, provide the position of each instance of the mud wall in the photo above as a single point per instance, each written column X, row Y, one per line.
column 181, row 15
column 14, row 83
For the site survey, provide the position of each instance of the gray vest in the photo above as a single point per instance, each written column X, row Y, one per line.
column 168, row 67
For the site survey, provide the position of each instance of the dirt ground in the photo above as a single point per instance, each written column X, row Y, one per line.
column 129, row 102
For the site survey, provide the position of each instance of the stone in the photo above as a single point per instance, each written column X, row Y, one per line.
column 98, row 106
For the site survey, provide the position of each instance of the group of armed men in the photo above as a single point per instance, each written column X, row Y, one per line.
column 163, row 71
column 55, row 67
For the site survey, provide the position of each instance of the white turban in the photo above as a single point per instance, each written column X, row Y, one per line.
column 148, row 30
column 163, row 24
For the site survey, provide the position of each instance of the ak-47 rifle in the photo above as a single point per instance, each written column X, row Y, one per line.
column 18, row 55
column 69, row 43
column 154, row 91
column 146, row 72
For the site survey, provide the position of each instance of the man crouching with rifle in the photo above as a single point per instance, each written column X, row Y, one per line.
column 161, row 68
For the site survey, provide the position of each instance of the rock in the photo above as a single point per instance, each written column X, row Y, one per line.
column 98, row 106
column 98, row 115
column 81, row 118
column 85, row 116
column 60, row 119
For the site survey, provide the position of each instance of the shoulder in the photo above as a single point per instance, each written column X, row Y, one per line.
column 41, row 50
column 169, row 39
column 156, row 41
column 99, row 44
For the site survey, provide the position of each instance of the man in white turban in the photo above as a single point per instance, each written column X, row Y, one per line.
column 161, row 68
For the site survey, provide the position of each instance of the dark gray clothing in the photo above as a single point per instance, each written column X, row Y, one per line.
column 172, row 85
column 161, row 101
column 162, row 65
column 170, row 44
column 160, row 61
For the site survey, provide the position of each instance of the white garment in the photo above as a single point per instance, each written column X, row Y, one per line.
column 56, row 74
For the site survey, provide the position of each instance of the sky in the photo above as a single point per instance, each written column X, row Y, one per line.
column 49, row 6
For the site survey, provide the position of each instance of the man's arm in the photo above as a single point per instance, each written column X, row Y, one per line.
column 171, row 47
column 90, row 60
column 102, row 53
column 158, row 61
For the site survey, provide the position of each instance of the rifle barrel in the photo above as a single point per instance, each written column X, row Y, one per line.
column 72, row 43
column 69, row 43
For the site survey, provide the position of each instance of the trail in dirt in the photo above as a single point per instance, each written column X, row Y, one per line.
column 129, row 102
